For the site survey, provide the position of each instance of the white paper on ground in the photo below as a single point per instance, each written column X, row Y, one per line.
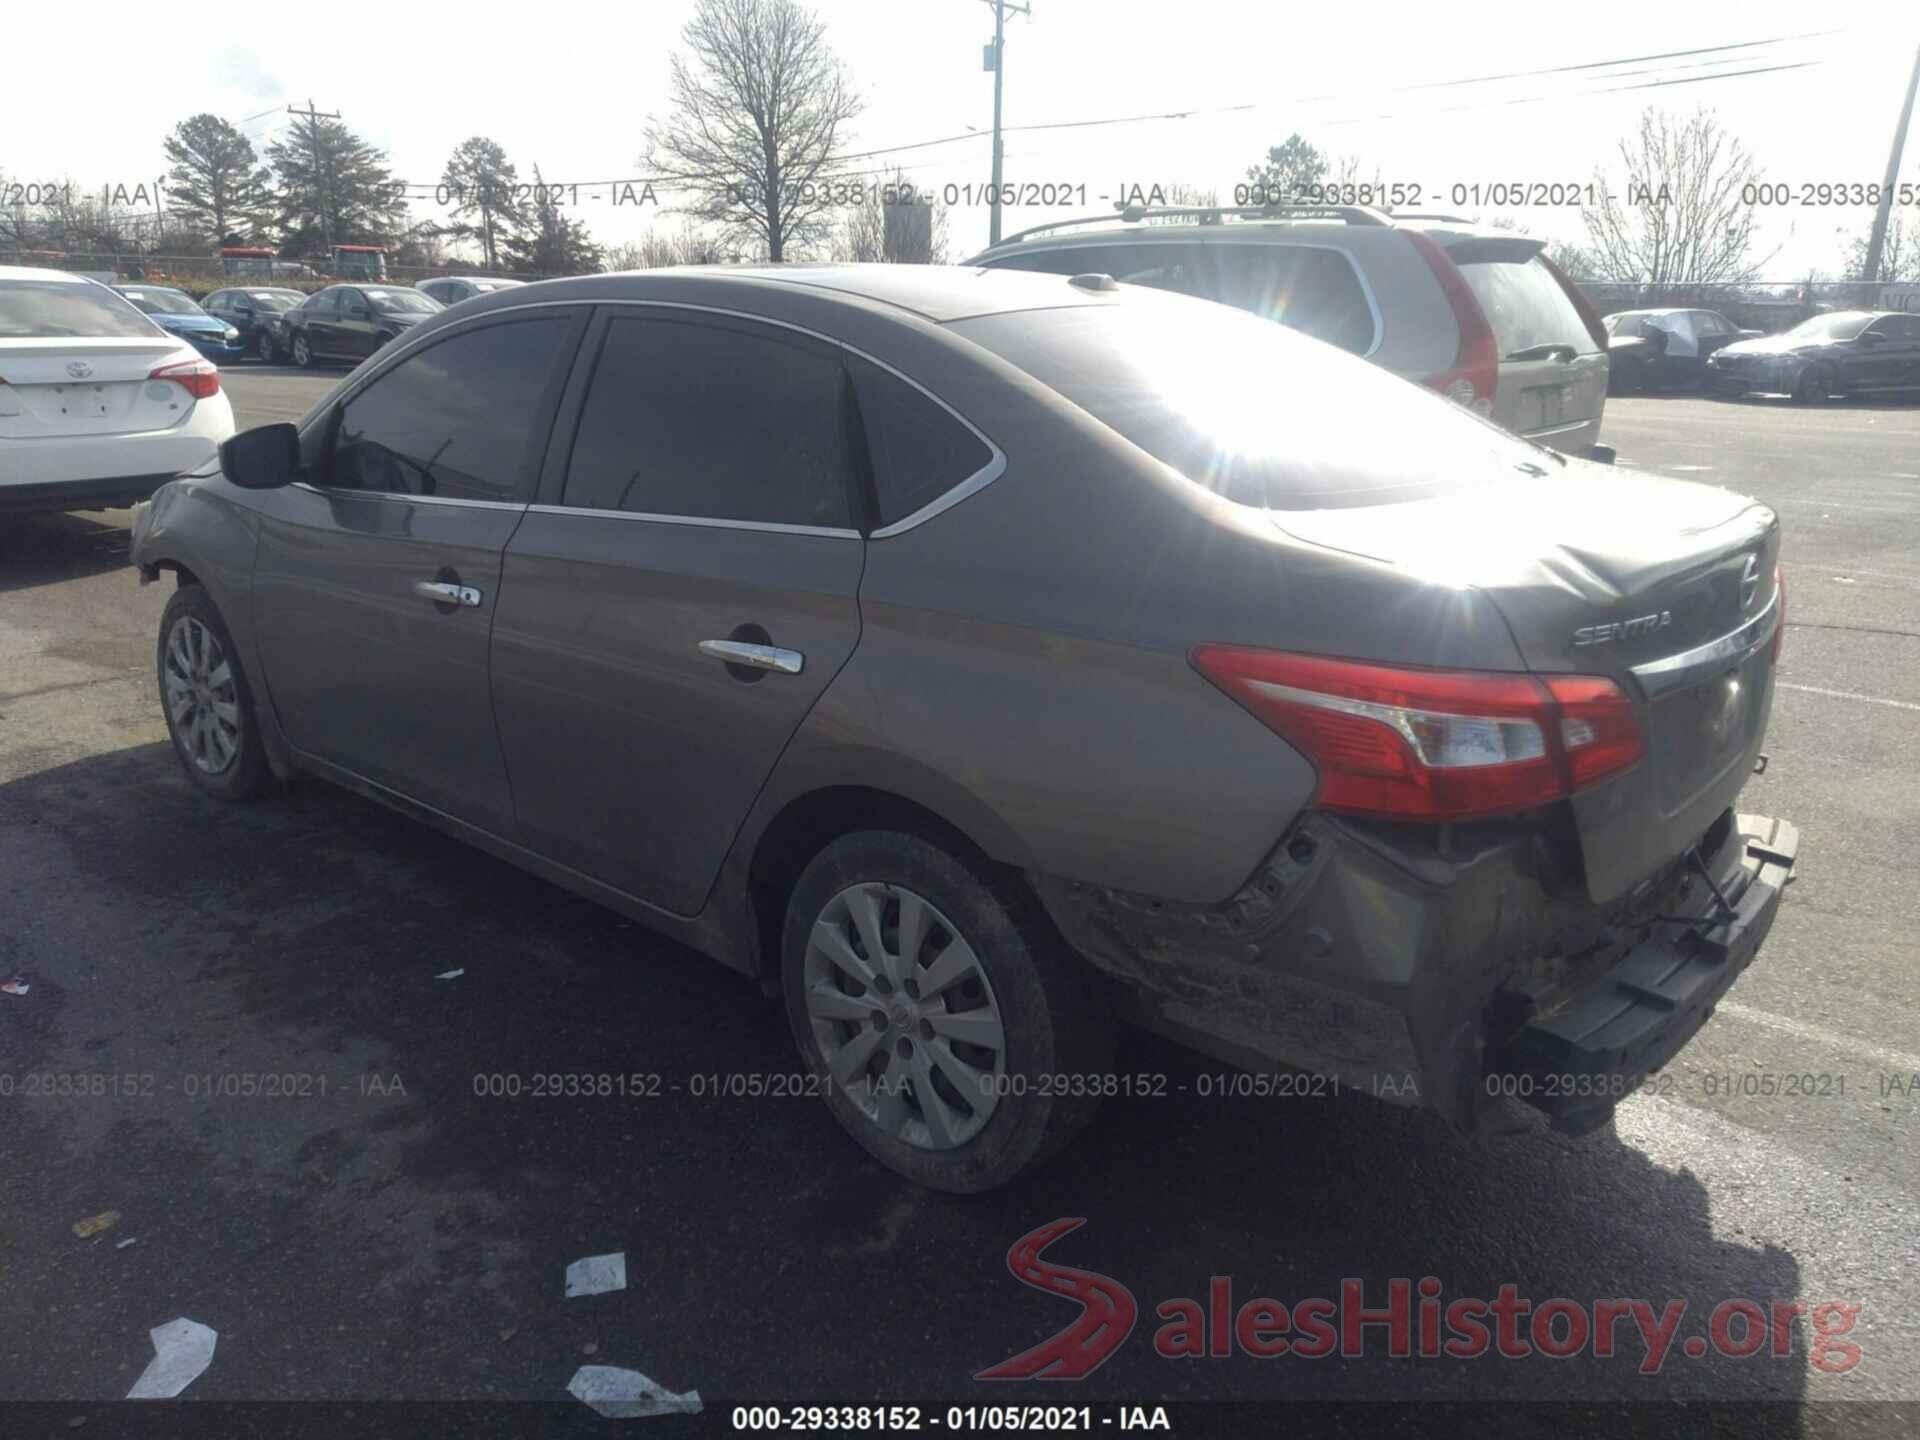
column 627, row 1394
column 597, row 1274
column 451, row 974
column 182, row 1350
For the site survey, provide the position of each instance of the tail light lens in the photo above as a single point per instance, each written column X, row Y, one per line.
column 1780, row 620
column 1476, row 364
column 201, row 377
column 1432, row 744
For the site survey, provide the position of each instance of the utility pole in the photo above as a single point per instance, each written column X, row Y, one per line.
column 997, row 58
column 1876, row 243
column 314, row 117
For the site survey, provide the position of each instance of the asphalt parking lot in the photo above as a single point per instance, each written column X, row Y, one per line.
column 387, row 1232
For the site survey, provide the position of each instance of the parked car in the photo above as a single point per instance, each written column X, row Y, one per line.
column 99, row 406
column 982, row 657
column 175, row 312
column 452, row 289
column 349, row 322
column 1665, row 349
column 1848, row 352
column 1480, row 315
column 258, row 314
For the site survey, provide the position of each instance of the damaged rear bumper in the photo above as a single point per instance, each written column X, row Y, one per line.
column 1459, row 969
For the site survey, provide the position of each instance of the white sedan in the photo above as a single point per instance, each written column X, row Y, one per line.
column 99, row 406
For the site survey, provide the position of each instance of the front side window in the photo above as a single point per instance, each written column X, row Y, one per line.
column 711, row 421
column 456, row 420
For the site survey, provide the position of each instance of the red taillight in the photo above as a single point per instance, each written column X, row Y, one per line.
column 201, row 377
column 1780, row 620
column 1432, row 744
column 1476, row 364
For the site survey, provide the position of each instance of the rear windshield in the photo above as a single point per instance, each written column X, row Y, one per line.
column 1526, row 305
column 162, row 302
column 1253, row 410
column 402, row 302
column 46, row 309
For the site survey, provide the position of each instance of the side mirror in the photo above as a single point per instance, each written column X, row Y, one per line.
column 244, row 311
column 263, row 458
column 1657, row 339
column 1871, row 337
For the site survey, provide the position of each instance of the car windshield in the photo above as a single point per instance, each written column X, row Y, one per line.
column 275, row 300
column 49, row 309
column 154, row 300
column 401, row 302
column 1255, row 411
column 1843, row 326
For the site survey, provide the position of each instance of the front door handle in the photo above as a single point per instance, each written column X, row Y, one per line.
column 757, row 657
column 441, row 592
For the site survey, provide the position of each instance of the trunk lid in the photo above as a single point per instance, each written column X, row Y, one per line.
column 1663, row 586
column 78, row 385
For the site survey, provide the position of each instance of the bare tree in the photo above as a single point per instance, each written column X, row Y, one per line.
column 1180, row 195
column 760, row 108
column 895, row 223
column 1899, row 260
column 1684, row 216
column 657, row 249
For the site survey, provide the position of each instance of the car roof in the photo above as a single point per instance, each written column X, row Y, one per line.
column 35, row 272
column 939, row 293
column 1662, row 310
column 477, row 279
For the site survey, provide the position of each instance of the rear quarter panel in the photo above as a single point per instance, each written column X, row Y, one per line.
column 1027, row 650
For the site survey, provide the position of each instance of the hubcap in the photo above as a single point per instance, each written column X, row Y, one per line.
column 203, row 704
column 904, row 1016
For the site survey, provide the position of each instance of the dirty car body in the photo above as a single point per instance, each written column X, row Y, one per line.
column 1371, row 749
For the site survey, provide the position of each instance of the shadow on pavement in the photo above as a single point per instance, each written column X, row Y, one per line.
column 44, row 549
column 402, row 1231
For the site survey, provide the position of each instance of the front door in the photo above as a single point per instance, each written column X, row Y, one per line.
column 665, row 627
column 375, row 585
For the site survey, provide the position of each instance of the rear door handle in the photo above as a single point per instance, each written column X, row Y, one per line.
column 441, row 592
column 758, row 657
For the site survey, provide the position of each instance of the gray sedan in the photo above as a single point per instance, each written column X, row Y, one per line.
column 984, row 660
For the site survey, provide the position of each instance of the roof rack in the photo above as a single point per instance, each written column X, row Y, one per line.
column 1212, row 215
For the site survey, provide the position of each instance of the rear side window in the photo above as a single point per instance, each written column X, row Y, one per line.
column 1164, row 267
column 1305, row 288
column 712, row 422
column 919, row 450
column 1526, row 305
column 455, row 420
column 52, row 309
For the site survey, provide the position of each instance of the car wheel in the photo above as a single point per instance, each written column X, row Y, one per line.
column 302, row 351
column 208, row 704
column 938, row 1013
column 263, row 347
column 1813, row 388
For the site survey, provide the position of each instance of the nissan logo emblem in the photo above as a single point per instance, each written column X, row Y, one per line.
column 79, row 369
column 1750, row 582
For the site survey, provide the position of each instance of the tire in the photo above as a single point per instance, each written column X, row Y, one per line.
column 301, row 349
column 876, row 1022
column 1813, row 388
column 263, row 347
column 207, row 701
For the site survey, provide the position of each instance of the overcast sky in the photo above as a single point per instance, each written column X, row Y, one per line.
column 571, row 87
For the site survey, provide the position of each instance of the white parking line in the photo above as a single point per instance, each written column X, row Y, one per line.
column 1892, row 1059
column 1847, row 695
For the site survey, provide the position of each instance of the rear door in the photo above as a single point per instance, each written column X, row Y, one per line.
column 673, row 611
column 376, row 584
column 1553, row 372
column 357, row 326
column 1894, row 362
column 321, row 312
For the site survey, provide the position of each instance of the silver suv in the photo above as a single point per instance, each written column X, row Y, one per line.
column 1480, row 315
